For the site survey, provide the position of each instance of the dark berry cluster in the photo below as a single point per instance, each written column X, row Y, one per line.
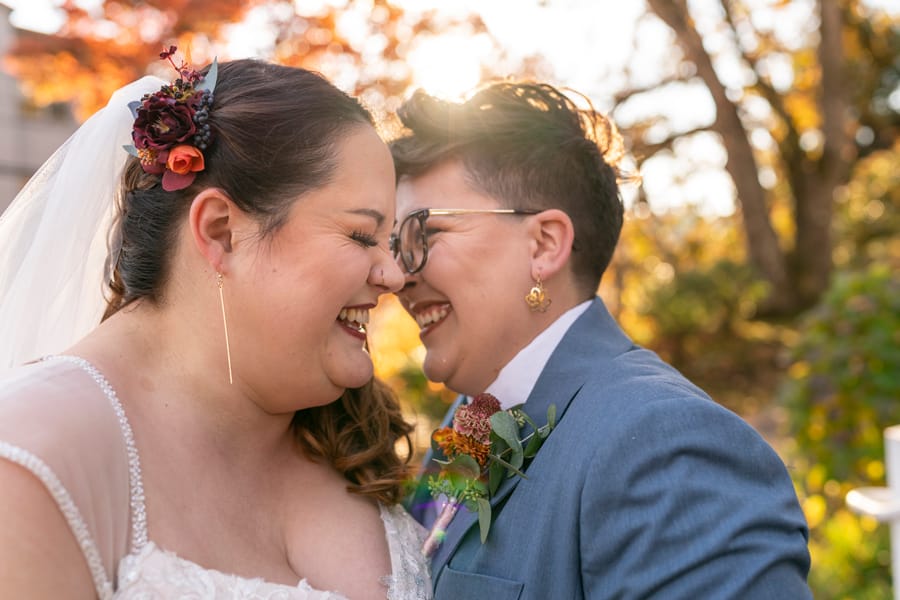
column 203, row 137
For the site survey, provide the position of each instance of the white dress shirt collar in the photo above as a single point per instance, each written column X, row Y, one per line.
column 516, row 380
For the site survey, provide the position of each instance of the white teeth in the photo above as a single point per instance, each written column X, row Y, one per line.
column 432, row 315
column 355, row 317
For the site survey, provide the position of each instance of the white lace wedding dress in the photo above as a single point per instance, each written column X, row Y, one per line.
column 73, row 434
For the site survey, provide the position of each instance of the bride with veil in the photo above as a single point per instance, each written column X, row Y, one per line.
column 187, row 403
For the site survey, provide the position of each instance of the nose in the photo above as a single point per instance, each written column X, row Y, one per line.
column 387, row 275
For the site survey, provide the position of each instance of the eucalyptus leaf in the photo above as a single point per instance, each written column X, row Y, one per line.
column 498, row 446
column 534, row 444
column 551, row 416
column 495, row 476
column 133, row 106
column 209, row 81
column 479, row 487
column 517, row 459
column 131, row 150
column 509, row 467
column 505, row 426
column 466, row 466
column 484, row 518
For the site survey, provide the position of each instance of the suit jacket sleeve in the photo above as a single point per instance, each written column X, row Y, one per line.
column 703, row 508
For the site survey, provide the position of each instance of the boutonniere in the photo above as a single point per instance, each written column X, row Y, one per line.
column 482, row 448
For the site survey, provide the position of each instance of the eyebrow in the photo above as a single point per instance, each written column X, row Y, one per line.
column 368, row 212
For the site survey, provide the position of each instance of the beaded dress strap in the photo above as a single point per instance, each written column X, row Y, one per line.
column 69, row 510
column 136, row 483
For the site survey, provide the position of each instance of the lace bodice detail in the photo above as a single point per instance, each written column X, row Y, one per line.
column 156, row 573
column 149, row 572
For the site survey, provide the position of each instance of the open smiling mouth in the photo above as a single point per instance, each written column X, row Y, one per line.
column 431, row 315
column 355, row 319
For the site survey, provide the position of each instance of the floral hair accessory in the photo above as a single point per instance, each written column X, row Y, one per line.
column 482, row 448
column 170, row 126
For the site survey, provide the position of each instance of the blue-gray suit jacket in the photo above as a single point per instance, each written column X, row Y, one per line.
column 646, row 488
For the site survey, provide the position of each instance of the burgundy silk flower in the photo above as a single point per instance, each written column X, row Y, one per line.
column 162, row 122
column 158, row 166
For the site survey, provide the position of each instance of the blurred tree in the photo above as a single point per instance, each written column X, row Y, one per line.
column 97, row 51
column 361, row 45
column 801, row 90
column 679, row 284
column 868, row 213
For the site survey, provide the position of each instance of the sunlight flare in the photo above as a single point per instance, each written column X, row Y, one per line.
column 449, row 65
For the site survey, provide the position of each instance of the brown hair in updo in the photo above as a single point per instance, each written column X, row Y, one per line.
column 276, row 132
column 275, row 136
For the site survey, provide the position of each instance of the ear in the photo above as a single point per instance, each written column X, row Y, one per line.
column 552, row 237
column 213, row 217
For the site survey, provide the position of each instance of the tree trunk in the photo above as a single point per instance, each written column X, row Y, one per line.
column 811, row 260
column 763, row 245
column 797, row 277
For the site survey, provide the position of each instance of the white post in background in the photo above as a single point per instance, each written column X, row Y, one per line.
column 883, row 503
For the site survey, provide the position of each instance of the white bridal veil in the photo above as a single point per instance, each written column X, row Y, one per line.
column 53, row 237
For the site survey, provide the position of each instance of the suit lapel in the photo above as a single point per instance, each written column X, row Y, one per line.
column 594, row 335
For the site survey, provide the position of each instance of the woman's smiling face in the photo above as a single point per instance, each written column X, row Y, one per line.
column 468, row 298
column 300, row 320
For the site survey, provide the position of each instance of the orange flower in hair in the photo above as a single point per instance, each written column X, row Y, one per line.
column 182, row 162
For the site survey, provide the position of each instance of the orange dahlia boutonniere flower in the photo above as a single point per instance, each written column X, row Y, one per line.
column 453, row 443
column 482, row 448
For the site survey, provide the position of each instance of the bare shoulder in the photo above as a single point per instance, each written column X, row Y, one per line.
column 39, row 556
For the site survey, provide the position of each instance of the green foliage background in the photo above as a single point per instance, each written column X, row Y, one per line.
column 843, row 386
column 841, row 393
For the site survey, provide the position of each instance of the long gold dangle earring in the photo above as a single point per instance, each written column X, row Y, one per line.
column 220, row 282
column 537, row 299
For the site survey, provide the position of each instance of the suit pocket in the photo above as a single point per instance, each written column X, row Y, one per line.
column 459, row 585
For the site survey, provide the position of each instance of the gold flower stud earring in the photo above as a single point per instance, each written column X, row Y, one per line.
column 537, row 299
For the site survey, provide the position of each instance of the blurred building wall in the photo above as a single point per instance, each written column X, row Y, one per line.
column 28, row 136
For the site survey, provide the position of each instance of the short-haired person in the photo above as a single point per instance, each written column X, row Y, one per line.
column 508, row 214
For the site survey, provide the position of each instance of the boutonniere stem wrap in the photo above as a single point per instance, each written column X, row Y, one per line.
column 483, row 447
